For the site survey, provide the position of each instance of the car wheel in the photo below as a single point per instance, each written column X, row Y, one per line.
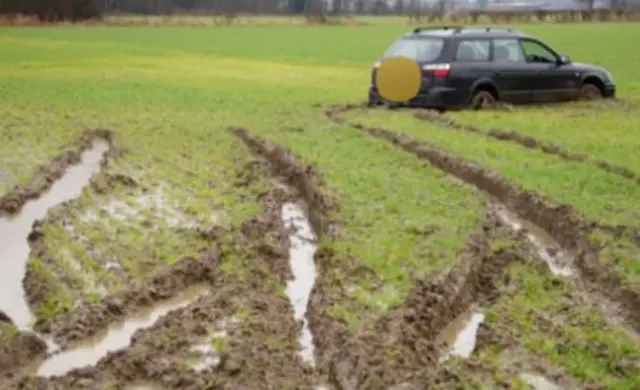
column 589, row 92
column 482, row 99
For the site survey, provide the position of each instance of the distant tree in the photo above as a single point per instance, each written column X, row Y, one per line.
column 297, row 7
column 54, row 10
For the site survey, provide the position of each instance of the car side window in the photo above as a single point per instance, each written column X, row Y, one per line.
column 473, row 50
column 536, row 53
column 507, row 51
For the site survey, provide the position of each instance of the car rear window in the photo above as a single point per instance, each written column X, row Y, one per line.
column 422, row 50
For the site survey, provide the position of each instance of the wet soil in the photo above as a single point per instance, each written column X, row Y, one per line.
column 516, row 360
column 262, row 350
column 527, row 142
column 18, row 348
column 330, row 335
column 88, row 320
column 91, row 350
column 38, row 291
column 16, row 231
column 561, row 221
column 49, row 173
column 348, row 360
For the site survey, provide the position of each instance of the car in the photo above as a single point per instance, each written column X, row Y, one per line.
column 474, row 67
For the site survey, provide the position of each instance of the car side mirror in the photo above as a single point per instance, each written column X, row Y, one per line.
column 564, row 60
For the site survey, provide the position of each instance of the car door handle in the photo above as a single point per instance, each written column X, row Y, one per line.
column 496, row 73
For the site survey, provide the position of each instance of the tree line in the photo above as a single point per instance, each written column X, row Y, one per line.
column 77, row 10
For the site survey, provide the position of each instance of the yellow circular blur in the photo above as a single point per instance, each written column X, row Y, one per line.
column 398, row 79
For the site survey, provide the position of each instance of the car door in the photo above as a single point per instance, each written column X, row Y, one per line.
column 552, row 81
column 471, row 63
column 511, row 73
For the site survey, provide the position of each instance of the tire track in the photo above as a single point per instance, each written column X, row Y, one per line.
column 334, row 113
column 258, row 352
column 561, row 221
column 49, row 173
column 350, row 360
column 528, row 142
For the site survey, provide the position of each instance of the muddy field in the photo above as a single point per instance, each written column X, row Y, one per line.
column 194, row 325
column 200, row 209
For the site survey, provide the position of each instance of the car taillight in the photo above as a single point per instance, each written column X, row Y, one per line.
column 437, row 70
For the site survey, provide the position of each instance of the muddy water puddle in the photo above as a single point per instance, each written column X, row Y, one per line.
column 461, row 334
column 118, row 336
column 301, row 251
column 559, row 261
column 14, row 248
column 539, row 382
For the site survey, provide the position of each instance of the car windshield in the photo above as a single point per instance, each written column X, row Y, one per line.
column 422, row 50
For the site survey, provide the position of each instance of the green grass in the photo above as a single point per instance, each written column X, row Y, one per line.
column 171, row 93
column 598, row 195
column 544, row 325
column 577, row 339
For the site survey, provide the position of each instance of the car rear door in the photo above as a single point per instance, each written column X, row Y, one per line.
column 511, row 73
column 471, row 63
column 552, row 82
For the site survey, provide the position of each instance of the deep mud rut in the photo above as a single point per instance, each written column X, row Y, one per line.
column 420, row 330
column 216, row 320
column 236, row 332
column 560, row 221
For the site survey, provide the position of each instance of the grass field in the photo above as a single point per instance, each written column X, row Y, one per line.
column 405, row 244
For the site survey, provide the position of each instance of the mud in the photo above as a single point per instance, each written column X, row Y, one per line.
column 18, row 348
column 16, row 232
column 527, row 142
column 348, row 360
column 335, row 112
column 561, row 221
column 548, row 250
column 259, row 350
column 330, row 335
column 48, row 174
column 118, row 336
column 89, row 320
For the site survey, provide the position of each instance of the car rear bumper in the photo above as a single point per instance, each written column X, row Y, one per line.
column 435, row 97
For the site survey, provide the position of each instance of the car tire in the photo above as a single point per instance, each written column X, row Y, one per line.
column 482, row 99
column 589, row 92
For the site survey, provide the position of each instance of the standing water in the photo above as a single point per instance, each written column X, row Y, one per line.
column 559, row 262
column 118, row 336
column 461, row 334
column 301, row 252
column 14, row 248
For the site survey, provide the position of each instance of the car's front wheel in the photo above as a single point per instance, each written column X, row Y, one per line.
column 589, row 92
column 482, row 99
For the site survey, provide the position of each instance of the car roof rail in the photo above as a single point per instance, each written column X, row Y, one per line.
column 488, row 29
column 466, row 29
column 420, row 29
